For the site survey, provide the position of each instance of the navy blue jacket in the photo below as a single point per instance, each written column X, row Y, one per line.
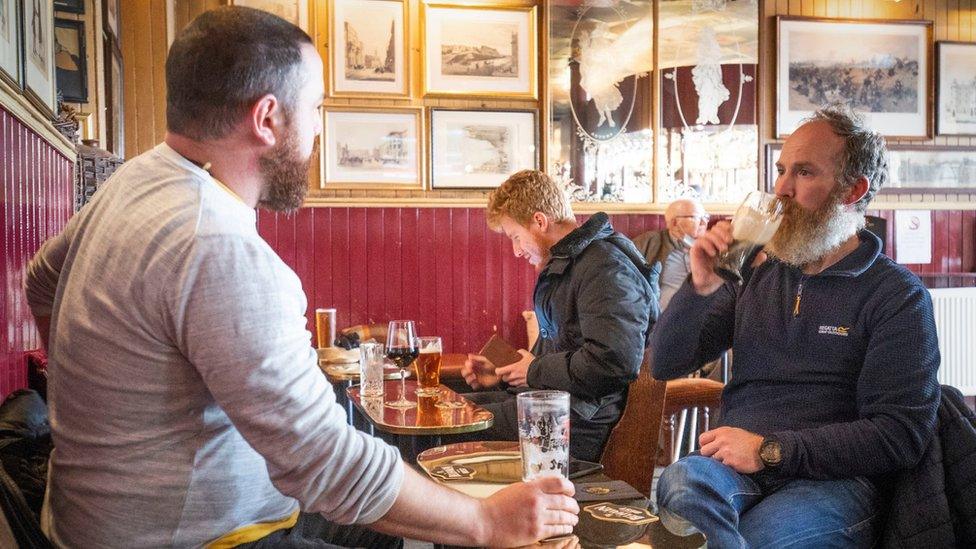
column 848, row 383
column 595, row 306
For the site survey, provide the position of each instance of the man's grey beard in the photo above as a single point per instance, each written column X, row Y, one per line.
column 806, row 237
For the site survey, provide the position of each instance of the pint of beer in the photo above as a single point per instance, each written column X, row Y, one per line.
column 325, row 327
column 428, row 365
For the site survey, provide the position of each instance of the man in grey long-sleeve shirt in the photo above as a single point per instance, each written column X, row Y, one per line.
column 186, row 404
column 835, row 357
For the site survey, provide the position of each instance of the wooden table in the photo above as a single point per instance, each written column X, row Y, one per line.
column 589, row 531
column 446, row 414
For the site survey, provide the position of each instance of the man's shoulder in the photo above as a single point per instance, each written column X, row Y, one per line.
column 614, row 253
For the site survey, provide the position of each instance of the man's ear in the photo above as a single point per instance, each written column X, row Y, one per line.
column 541, row 221
column 858, row 190
column 264, row 119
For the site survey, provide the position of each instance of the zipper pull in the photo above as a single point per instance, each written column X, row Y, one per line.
column 796, row 302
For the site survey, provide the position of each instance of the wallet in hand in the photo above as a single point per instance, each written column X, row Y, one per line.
column 500, row 353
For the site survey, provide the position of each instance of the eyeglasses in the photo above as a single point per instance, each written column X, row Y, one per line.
column 701, row 218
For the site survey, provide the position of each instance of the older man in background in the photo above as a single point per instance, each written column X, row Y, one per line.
column 685, row 220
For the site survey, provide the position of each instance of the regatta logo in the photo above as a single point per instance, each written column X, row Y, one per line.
column 834, row 330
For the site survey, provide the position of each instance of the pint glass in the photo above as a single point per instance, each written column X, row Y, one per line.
column 543, row 423
column 428, row 365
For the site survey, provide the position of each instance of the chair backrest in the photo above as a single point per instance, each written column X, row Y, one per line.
column 631, row 450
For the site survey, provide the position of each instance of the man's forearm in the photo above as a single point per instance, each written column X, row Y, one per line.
column 425, row 510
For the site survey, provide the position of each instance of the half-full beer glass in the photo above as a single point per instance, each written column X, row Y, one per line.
column 753, row 225
column 543, row 424
column 428, row 365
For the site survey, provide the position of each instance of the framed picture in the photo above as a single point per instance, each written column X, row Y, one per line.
column 110, row 17
column 10, row 60
column 70, row 61
column 70, row 6
column 931, row 169
column 881, row 69
column 38, row 25
column 293, row 11
column 912, row 169
column 114, row 99
column 370, row 53
column 470, row 50
column 480, row 149
column 372, row 148
column 955, row 91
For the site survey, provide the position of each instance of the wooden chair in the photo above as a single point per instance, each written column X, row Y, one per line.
column 631, row 449
column 690, row 399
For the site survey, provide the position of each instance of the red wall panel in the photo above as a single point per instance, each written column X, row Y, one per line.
column 36, row 195
column 445, row 269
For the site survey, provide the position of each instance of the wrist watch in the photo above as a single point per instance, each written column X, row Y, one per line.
column 771, row 452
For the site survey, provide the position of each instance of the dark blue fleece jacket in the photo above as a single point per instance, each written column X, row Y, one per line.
column 840, row 366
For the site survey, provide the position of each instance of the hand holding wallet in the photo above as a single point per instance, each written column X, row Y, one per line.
column 499, row 353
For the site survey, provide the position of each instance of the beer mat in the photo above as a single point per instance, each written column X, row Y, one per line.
column 496, row 467
column 605, row 491
column 625, row 514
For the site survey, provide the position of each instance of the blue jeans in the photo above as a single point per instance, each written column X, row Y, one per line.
column 735, row 510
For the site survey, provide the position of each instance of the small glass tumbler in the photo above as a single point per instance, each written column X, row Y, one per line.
column 371, row 358
column 543, row 423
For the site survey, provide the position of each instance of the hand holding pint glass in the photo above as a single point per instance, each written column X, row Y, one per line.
column 725, row 249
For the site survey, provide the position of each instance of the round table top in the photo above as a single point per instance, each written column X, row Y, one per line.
column 448, row 413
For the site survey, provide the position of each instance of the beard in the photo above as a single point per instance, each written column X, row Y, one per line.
column 285, row 175
column 805, row 237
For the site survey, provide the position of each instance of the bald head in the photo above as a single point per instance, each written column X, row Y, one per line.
column 685, row 216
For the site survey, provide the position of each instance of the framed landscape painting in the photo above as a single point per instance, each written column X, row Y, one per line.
column 480, row 149
column 479, row 51
column 912, row 169
column 955, row 90
column 371, row 55
column 38, row 25
column 10, row 61
column 372, row 148
column 931, row 169
column 880, row 69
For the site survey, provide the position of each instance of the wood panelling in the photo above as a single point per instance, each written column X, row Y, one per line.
column 445, row 269
column 144, row 46
column 35, row 203
column 442, row 267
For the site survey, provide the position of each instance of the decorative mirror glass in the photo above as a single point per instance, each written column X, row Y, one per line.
column 605, row 115
column 600, row 97
column 708, row 140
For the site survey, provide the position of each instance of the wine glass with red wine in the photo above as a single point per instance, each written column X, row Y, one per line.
column 401, row 348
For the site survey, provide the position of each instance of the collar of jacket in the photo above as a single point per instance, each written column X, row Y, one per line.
column 855, row 263
column 597, row 227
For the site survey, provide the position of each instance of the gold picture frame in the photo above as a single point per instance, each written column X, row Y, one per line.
column 342, row 78
column 511, row 76
column 282, row 8
column 372, row 148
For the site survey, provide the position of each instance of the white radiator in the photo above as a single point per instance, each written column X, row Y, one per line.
column 955, row 322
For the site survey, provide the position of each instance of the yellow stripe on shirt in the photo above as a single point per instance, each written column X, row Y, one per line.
column 252, row 532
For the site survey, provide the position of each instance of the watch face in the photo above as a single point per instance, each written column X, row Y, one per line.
column 770, row 452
